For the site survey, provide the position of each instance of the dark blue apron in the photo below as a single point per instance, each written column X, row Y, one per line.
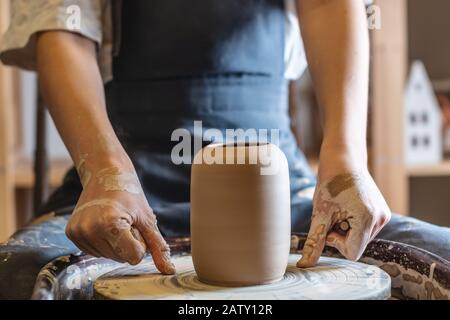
column 219, row 62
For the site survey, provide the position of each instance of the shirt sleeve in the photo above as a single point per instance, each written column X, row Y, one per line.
column 18, row 44
column 294, row 51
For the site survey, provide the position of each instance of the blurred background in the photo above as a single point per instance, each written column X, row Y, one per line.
column 409, row 120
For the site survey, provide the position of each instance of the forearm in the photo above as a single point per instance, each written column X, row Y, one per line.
column 72, row 88
column 337, row 47
column 113, row 218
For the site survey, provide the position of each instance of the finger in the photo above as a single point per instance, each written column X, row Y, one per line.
column 106, row 250
column 336, row 240
column 95, row 246
column 122, row 242
column 129, row 249
column 333, row 238
column 315, row 242
column 374, row 233
column 83, row 244
column 355, row 243
column 156, row 244
column 137, row 235
column 348, row 251
column 77, row 234
column 380, row 225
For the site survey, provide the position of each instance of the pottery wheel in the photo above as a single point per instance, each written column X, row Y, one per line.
column 332, row 278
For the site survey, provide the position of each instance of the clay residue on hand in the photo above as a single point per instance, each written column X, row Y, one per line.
column 102, row 203
column 341, row 183
column 85, row 175
column 317, row 235
column 311, row 243
column 112, row 179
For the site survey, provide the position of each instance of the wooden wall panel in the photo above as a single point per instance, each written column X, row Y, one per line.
column 389, row 69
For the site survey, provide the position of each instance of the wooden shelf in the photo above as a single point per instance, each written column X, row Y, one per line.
column 441, row 85
column 442, row 169
column 24, row 175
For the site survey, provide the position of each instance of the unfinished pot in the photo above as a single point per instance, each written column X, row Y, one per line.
column 240, row 214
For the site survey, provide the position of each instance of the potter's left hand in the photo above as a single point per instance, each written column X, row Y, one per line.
column 349, row 196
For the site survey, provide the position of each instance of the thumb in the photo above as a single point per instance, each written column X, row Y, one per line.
column 123, row 246
column 137, row 235
column 158, row 247
column 315, row 242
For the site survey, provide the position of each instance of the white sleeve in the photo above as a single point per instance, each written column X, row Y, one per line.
column 294, row 53
column 18, row 44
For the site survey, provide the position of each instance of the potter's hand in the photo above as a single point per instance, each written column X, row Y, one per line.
column 113, row 219
column 348, row 213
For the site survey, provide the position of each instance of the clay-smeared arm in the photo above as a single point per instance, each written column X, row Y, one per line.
column 112, row 205
column 335, row 35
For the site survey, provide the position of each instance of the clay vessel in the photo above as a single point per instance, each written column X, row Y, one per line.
column 240, row 214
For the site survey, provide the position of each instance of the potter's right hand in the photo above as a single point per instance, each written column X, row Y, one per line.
column 112, row 219
column 347, row 199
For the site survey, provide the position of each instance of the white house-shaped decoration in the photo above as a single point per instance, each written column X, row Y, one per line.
column 422, row 120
